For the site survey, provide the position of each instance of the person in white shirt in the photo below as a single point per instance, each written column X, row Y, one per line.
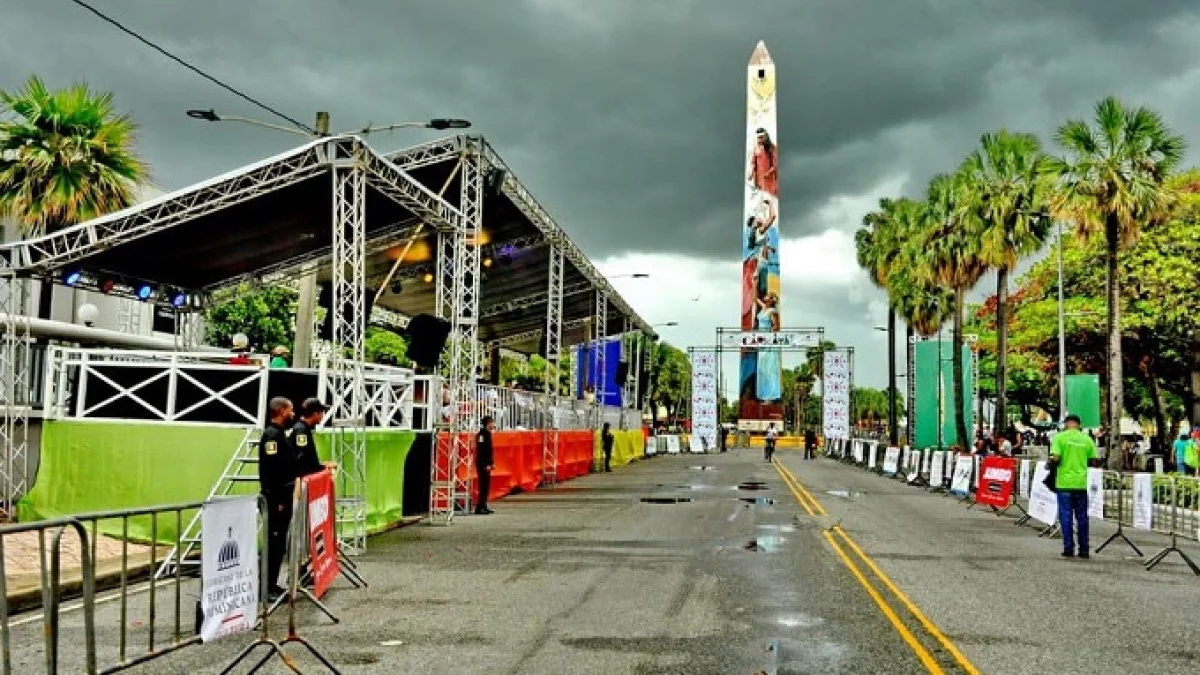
column 772, row 436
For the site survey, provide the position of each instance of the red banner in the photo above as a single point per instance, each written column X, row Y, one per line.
column 322, row 543
column 997, row 475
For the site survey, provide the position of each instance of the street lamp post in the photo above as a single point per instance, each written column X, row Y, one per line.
column 1062, row 339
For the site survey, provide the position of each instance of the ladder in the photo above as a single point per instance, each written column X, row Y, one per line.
column 242, row 468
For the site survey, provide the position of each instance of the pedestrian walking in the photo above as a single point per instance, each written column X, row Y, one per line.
column 810, row 443
column 277, row 469
column 1070, row 453
column 769, row 441
column 484, row 460
column 724, row 438
column 606, row 441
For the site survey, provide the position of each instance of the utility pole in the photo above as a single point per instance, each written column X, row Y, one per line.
column 1062, row 338
column 306, row 304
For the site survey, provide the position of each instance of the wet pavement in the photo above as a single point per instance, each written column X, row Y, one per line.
column 712, row 577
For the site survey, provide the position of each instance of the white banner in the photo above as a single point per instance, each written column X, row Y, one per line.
column 950, row 459
column 1143, row 501
column 936, row 476
column 1023, row 487
column 1095, row 478
column 891, row 461
column 859, row 447
column 871, row 452
column 673, row 445
column 835, row 392
column 915, row 458
column 975, row 469
column 783, row 338
column 704, row 400
column 229, row 566
column 960, row 483
column 1043, row 503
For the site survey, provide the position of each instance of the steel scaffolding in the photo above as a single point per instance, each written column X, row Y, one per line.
column 349, row 325
column 554, row 327
column 457, row 301
column 15, row 356
column 601, row 328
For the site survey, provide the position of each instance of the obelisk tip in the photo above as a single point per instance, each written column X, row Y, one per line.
column 760, row 55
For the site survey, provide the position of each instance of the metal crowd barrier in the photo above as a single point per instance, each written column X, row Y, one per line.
column 1174, row 508
column 50, row 575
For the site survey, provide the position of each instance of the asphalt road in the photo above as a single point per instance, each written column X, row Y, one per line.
column 588, row 578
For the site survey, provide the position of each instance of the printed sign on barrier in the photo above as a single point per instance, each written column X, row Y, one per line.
column 960, row 483
column 891, row 461
column 975, row 469
column 935, row 469
column 229, row 566
column 996, row 481
column 673, row 445
column 914, row 465
column 322, row 544
column 858, row 452
column 1095, row 478
column 871, row 452
column 1024, row 478
column 1043, row 503
column 1143, row 501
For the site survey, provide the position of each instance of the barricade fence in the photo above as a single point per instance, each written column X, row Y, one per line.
column 1164, row 504
column 105, row 560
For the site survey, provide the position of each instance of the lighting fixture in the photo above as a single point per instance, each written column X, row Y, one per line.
column 144, row 291
column 428, row 278
column 72, row 276
column 178, row 299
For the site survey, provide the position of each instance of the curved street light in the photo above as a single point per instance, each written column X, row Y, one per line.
column 439, row 123
column 634, row 275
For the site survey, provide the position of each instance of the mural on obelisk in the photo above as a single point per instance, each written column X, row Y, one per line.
column 760, row 390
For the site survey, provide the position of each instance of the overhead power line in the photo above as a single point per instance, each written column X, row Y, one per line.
column 192, row 68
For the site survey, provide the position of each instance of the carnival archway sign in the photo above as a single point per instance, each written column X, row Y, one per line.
column 707, row 385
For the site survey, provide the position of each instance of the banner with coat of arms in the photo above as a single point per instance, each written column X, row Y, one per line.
column 705, row 408
column 835, row 394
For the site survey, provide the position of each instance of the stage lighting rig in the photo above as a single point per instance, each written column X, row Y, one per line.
column 143, row 291
column 72, row 276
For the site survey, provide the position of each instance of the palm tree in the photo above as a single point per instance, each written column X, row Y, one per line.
column 65, row 156
column 952, row 242
column 1113, row 183
column 878, row 246
column 1009, row 187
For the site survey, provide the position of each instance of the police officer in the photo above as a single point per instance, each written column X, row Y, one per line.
column 312, row 412
column 606, row 441
column 277, row 469
column 483, row 463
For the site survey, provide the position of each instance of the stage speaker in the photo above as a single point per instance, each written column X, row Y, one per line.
column 622, row 373
column 427, row 336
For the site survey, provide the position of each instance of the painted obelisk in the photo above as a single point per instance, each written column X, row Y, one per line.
column 760, row 384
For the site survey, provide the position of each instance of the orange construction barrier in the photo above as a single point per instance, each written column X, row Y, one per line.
column 517, row 457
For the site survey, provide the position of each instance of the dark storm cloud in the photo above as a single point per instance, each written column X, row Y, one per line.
column 625, row 118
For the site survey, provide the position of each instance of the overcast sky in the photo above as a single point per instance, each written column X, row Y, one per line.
column 626, row 117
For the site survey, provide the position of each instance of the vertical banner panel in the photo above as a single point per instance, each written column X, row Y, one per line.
column 704, row 397
column 835, row 392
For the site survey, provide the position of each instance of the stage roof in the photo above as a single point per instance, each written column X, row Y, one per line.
column 268, row 220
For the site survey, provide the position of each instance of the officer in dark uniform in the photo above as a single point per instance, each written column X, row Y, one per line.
column 606, row 441
column 277, row 470
column 483, row 463
column 312, row 412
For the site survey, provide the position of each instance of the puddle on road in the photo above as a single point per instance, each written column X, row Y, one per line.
column 702, row 468
column 752, row 485
column 666, row 500
column 764, row 544
column 845, row 494
column 796, row 620
column 757, row 501
column 778, row 528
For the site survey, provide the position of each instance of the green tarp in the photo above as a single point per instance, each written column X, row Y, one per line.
column 100, row 466
column 1083, row 399
column 935, row 399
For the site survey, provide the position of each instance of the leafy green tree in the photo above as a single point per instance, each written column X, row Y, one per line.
column 670, row 378
column 385, row 347
column 266, row 316
column 879, row 245
column 1114, row 183
column 951, row 242
column 1009, row 183
column 66, row 156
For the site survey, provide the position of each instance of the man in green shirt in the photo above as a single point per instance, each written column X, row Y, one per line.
column 279, row 357
column 1070, row 453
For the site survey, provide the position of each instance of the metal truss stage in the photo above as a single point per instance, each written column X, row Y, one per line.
column 443, row 228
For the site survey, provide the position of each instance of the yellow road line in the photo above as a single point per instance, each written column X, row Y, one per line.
column 791, row 479
column 922, row 653
column 908, row 604
column 799, row 497
column 805, row 497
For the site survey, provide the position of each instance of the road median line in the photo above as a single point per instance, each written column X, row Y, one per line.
column 805, row 497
